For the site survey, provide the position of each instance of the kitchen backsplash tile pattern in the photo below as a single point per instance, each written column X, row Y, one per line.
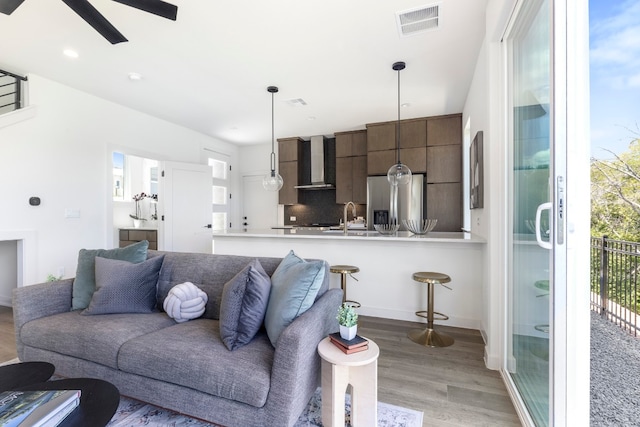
column 318, row 207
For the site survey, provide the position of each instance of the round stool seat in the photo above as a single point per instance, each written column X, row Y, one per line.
column 431, row 277
column 344, row 269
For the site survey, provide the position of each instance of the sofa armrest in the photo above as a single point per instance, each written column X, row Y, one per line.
column 41, row 300
column 296, row 363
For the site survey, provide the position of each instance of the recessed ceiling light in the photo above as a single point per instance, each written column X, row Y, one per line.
column 135, row 77
column 311, row 118
column 70, row 53
column 405, row 105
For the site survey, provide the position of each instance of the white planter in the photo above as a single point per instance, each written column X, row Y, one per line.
column 137, row 223
column 348, row 333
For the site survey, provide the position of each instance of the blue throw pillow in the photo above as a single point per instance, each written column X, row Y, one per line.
column 124, row 287
column 243, row 305
column 294, row 286
column 85, row 282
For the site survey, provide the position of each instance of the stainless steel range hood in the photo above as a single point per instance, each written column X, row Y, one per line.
column 317, row 166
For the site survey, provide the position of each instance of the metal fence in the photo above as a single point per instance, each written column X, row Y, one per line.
column 10, row 91
column 615, row 265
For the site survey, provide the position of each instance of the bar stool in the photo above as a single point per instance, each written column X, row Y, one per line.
column 344, row 270
column 429, row 337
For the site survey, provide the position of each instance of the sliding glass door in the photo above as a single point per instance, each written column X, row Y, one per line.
column 530, row 286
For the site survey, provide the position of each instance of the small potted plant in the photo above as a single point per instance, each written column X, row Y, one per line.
column 137, row 217
column 348, row 320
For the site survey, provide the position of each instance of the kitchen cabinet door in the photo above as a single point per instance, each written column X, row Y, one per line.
column 413, row 133
column 381, row 137
column 289, row 149
column 379, row 162
column 444, row 203
column 445, row 130
column 444, row 163
column 289, row 171
column 350, row 144
column 351, row 180
column 359, row 179
column 344, row 179
column 414, row 158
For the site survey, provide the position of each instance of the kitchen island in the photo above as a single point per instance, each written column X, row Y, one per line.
column 385, row 287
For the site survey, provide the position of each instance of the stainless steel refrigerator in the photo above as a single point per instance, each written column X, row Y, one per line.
column 410, row 201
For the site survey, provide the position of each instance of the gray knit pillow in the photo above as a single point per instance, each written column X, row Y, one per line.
column 124, row 287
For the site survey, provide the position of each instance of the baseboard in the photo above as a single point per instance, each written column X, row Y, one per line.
column 386, row 313
column 5, row 301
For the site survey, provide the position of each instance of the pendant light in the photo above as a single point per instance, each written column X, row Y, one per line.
column 398, row 174
column 272, row 181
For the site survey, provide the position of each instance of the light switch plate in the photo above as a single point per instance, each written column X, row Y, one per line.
column 71, row 213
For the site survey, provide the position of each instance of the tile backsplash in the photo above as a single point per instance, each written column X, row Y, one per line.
column 318, row 207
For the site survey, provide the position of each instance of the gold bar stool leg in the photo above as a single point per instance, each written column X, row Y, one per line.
column 429, row 337
column 343, row 270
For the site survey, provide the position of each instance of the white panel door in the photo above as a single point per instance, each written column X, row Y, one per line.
column 185, row 201
column 259, row 207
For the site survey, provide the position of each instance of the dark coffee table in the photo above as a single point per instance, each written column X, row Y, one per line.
column 98, row 401
column 22, row 374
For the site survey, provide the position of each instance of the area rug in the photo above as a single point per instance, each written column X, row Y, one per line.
column 135, row 413
column 132, row 412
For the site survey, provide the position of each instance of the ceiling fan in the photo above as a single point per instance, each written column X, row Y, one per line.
column 94, row 18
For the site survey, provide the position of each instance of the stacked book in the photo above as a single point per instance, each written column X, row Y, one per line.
column 357, row 344
column 42, row 408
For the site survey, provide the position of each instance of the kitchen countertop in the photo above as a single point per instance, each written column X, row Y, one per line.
column 369, row 235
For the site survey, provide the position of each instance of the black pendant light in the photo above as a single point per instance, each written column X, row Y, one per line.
column 272, row 181
column 398, row 174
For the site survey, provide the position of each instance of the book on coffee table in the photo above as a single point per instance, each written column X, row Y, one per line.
column 41, row 408
column 354, row 345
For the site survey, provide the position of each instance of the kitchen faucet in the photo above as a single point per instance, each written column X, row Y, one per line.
column 353, row 212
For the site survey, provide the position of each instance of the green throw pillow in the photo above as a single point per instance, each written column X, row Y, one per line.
column 294, row 286
column 84, row 285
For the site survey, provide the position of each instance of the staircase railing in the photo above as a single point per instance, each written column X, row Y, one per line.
column 11, row 92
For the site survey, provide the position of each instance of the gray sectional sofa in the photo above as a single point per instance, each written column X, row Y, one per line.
column 182, row 366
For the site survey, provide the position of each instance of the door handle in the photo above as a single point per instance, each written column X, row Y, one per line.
column 543, row 207
column 207, row 226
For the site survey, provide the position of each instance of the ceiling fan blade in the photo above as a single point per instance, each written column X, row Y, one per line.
column 8, row 6
column 157, row 7
column 96, row 20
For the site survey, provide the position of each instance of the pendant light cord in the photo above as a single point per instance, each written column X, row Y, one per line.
column 273, row 151
column 398, row 130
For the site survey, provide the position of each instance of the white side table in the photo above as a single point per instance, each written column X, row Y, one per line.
column 360, row 370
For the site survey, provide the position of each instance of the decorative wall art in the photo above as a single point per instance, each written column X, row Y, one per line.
column 476, row 191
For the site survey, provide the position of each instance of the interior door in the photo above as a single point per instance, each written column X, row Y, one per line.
column 259, row 207
column 185, row 202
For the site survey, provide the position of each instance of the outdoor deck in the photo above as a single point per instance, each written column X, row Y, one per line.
column 615, row 374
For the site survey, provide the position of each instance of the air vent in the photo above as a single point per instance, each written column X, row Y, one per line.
column 296, row 102
column 413, row 21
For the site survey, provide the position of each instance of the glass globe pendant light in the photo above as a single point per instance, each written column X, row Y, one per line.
column 272, row 181
column 398, row 174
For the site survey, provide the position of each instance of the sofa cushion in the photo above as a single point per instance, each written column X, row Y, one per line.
column 84, row 283
column 294, row 286
column 124, row 287
column 94, row 338
column 208, row 272
column 244, row 303
column 191, row 354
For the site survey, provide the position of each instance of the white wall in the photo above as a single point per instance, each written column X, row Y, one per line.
column 63, row 156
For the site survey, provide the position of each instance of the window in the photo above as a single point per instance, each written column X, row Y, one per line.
column 220, row 189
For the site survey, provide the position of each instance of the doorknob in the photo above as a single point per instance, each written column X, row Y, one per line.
column 207, row 226
column 543, row 207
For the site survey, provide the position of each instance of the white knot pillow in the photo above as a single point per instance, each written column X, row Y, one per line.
column 185, row 302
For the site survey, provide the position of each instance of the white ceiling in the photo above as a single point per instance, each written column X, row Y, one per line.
column 209, row 70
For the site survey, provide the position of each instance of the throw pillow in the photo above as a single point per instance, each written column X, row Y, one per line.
column 124, row 287
column 294, row 286
column 85, row 282
column 185, row 301
column 243, row 306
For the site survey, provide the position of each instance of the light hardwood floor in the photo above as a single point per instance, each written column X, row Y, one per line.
column 450, row 385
